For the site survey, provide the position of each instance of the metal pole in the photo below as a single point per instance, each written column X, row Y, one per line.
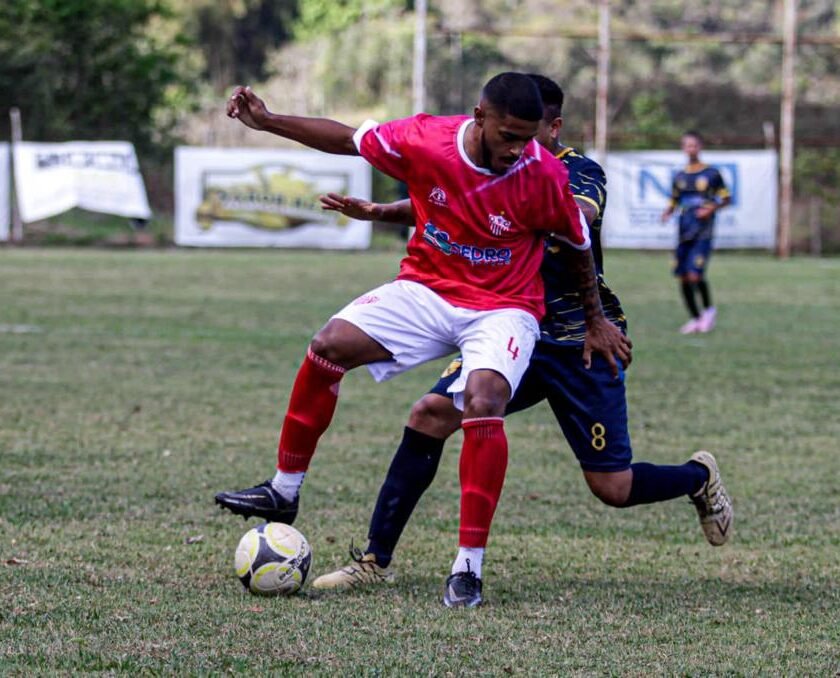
column 787, row 130
column 603, row 81
column 419, row 74
column 17, row 137
column 769, row 134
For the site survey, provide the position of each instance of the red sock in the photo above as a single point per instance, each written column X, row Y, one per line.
column 311, row 408
column 482, row 468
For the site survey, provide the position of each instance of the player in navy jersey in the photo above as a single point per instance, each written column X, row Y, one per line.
column 698, row 191
column 589, row 404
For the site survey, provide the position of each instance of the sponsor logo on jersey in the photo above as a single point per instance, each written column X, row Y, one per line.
column 498, row 224
column 438, row 197
column 366, row 299
column 440, row 240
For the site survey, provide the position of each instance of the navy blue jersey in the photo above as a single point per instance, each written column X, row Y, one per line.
column 693, row 187
column 563, row 323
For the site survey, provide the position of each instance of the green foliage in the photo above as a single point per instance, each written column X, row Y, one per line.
column 817, row 171
column 235, row 36
column 650, row 122
column 458, row 68
column 325, row 17
column 86, row 69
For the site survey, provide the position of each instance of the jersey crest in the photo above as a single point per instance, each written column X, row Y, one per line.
column 498, row 224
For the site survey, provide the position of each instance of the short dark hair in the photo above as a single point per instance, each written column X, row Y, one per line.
column 514, row 94
column 694, row 133
column 551, row 94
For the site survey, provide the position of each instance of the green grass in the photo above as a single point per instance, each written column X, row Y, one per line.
column 136, row 384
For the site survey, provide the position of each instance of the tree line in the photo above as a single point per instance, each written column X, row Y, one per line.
column 154, row 71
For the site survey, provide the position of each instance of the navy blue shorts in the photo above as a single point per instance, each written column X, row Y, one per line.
column 590, row 405
column 693, row 256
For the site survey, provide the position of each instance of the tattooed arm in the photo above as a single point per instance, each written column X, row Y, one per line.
column 601, row 335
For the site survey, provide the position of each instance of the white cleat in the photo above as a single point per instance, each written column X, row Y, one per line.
column 706, row 322
column 363, row 571
column 691, row 327
column 714, row 507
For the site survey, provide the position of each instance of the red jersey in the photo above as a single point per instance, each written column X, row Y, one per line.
column 478, row 242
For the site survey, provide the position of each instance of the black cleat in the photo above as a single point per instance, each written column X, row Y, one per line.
column 463, row 589
column 262, row 501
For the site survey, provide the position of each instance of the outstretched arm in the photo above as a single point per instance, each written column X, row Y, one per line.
column 399, row 212
column 318, row 133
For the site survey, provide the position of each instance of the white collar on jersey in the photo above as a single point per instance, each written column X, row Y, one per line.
column 462, row 132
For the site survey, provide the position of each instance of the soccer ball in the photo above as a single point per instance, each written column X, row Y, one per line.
column 273, row 559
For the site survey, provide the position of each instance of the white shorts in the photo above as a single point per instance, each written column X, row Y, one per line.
column 415, row 325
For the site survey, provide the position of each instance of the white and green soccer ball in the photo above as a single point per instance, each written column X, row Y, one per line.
column 273, row 560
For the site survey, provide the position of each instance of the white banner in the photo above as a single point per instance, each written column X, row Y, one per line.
column 227, row 197
column 100, row 176
column 5, row 180
column 639, row 187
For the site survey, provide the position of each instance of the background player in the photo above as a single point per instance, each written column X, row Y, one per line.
column 481, row 189
column 590, row 405
column 699, row 192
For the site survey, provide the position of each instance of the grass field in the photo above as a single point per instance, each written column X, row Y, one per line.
column 134, row 386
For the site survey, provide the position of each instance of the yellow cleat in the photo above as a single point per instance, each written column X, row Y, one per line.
column 363, row 571
column 714, row 507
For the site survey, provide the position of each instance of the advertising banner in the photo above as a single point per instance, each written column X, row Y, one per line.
column 639, row 187
column 228, row 197
column 5, row 182
column 100, row 176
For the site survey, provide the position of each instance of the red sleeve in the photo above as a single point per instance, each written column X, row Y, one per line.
column 567, row 222
column 388, row 146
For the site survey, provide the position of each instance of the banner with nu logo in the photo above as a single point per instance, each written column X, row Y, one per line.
column 639, row 187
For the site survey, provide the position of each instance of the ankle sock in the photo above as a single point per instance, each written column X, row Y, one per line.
column 287, row 485
column 468, row 559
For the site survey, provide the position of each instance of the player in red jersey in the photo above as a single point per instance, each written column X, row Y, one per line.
column 483, row 193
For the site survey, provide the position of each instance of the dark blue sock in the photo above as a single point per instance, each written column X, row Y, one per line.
column 689, row 298
column 705, row 293
column 411, row 472
column 652, row 483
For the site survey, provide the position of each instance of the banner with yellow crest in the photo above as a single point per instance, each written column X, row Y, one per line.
column 234, row 197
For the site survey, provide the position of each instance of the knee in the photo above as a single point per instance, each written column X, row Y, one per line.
column 613, row 489
column 486, row 395
column 333, row 342
column 323, row 344
column 611, row 496
column 434, row 415
column 484, row 405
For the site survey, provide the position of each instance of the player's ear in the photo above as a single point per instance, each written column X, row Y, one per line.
column 479, row 115
column 556, row 126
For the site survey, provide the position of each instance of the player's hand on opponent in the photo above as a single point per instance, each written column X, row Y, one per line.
column 248, row 108
column 355, row 208
column 605, row 338
column 704, row 211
